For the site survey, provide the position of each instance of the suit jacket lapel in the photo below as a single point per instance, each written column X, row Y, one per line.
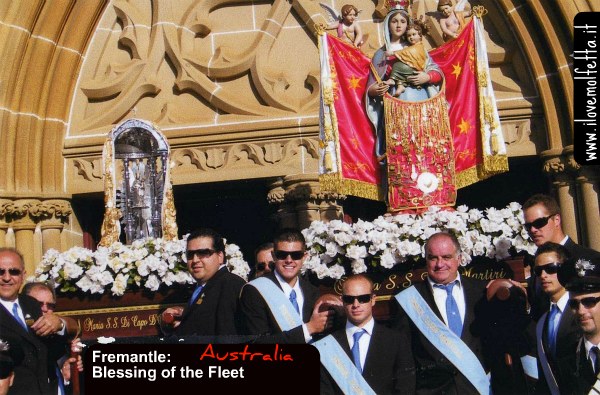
column 427, row 294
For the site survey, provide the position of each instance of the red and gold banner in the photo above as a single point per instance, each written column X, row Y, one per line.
column 458, row 60
column 348, row 163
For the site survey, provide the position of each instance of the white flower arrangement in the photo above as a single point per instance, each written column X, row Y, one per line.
column 147, row 263
column 338, row 249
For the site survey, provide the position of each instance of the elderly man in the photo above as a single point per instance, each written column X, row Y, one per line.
column 377, row 357
column 32, row 336
column 281, row 307
column 440, row 317
column 557, row 332
column 212, row 310
column 581, row 367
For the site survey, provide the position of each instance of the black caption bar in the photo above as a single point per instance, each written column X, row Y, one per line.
column 175, row 368
column 585, row 88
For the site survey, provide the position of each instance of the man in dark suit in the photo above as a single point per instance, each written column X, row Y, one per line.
column 543, row 222
column 383, row 355
column 213, row 308
column 580, row 369
column 260, row 317
column 30, row 334
column 446, row 303
column 557, row 332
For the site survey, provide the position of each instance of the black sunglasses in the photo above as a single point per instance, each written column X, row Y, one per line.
column 588, row 303
column 12, row 272
column 260, row 266
column 349, row 299
column 201, row 253
column 550, row 268
column 51, row 306
column 281, row 254
column 538, row 223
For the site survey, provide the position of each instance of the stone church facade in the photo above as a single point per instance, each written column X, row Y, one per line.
column 234, row 87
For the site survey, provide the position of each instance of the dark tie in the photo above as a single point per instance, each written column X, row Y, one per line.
column 196, row 294
column 454, row 321
column 294, row 301
column 596, row 352
column 552, row 329
column 356, row 348
column 15, row 311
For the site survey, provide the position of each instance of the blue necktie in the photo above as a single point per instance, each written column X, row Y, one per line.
column 294, row 301
column 552, row 328
column 356, row 348
column 454, row 321
column 196, row 294
column 15, row 311
column 61, row 381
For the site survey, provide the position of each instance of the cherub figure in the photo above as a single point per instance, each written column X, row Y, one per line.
column 452, row 19
column 409, row 60
column 346, row 24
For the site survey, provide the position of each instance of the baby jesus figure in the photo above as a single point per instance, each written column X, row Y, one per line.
column 409, row 60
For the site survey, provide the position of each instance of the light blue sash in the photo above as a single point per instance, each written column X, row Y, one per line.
column 341, row 368
column 442, row 338
column 284, row 312
column 550, row 379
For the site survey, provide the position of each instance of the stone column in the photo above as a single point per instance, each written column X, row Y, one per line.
column 564, row 183
column 300, row 201
column 588, row 183
column 35, row 224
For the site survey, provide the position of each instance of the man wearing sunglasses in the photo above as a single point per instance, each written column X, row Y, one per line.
column 46, row 297
column 281, row 307
column 543, row 222
column 264, row 260
column 442, row 317
column 213, row 307
column 34, row 338
column 557, row 332
column 582, row 366
column 382, row 356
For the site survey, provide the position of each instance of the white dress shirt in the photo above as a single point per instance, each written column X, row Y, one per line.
column 440, row 295
column 365, row 339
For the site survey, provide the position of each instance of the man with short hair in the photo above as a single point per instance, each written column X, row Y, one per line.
column 281, row 307
column 46, row 297
column 264, row 260
column 439, row 315
column 557, row 332
column 582, row 366
column 213, row 308
column 32, row 336
column 382, row 356
column 543, row 222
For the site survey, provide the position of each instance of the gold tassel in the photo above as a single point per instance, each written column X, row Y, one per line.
column 328, row 161
column 495, row 144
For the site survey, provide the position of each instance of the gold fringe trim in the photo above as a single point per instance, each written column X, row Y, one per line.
column 491, row 166
column 467, row 177
column 335, row 183
column 495, row 164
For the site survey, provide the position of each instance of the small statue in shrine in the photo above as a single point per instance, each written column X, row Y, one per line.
column 345, row 23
